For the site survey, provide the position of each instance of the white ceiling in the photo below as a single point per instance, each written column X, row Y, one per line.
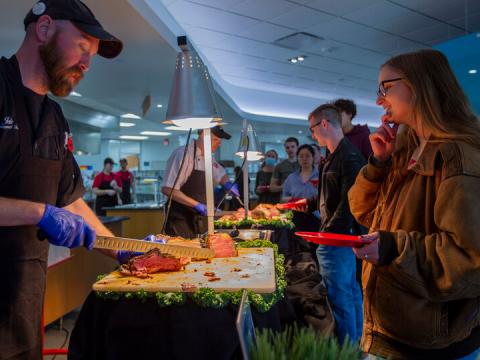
column 235, row 39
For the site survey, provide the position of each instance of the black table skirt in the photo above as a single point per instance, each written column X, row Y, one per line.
column 130, row 329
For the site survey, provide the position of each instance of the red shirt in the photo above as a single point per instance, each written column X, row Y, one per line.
column 122, row 176
column 101, row 177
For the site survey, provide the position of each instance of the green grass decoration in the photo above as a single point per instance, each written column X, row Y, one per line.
column 301, row 344
column 286, row 222
column 207, row 297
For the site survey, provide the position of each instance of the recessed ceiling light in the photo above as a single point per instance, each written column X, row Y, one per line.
column 300, row 58
column 300, row 131
column 74, row 93
column 472, row 71
column 293, row 61
column 159, row 106
column 156, row 133
column 130, row 116
column 133, row 137
column 127, row 124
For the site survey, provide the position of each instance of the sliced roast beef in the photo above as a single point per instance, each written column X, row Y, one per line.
column 222, row 244
column 152, row 262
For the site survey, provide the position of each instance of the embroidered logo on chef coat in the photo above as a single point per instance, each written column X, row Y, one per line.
column 69, row 142
column 8, row 123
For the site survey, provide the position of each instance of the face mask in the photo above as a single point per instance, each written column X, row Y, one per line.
column 270, row 161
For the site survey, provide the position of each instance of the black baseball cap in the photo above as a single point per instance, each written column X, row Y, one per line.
column 82, row 17
column 219, row 132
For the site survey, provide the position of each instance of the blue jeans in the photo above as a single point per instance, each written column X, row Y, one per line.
column 338, row 269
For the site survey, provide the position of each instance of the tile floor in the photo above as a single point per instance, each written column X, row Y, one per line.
column 56, row 337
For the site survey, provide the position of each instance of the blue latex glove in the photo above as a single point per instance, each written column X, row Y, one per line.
column 231, row 187
column 64, row 228
column 123, row 255
column 201, row 209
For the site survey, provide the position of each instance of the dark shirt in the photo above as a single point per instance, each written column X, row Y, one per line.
column 336, row 178
column 51, row 132
column 283, row 169
column 359, row 137
column 266, row 197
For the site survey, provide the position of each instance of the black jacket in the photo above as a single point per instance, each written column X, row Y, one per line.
column 337, row 175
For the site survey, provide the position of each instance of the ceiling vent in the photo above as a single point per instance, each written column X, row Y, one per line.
column 298, row 41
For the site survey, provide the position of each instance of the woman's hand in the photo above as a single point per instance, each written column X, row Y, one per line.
column 368, row 252
column 383, row 141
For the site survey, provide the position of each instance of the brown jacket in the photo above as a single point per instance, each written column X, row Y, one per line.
column 425, row 290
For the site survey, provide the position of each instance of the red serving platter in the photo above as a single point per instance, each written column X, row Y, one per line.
column 324, row 238
column 292, row 204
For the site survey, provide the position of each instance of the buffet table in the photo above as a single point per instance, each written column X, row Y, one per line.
column 132, row 329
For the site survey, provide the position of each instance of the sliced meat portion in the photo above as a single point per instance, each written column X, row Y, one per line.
column 222, row 244
column 152, row 262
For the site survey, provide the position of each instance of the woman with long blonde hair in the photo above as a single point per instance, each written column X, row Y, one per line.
column 420, row 196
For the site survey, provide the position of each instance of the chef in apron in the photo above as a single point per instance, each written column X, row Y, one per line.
column 188, row 210
column 126, row 182
column 40, row 181
column 106, row 186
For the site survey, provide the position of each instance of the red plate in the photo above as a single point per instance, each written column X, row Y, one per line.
column 331, row 239
column 292, row 204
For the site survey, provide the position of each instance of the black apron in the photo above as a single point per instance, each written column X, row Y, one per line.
column 125, row 194
column 105, row 200
column 24, row 258
column 183, row 220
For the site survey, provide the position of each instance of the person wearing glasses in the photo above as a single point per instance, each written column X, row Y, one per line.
column 419, row 195
column 337, row 264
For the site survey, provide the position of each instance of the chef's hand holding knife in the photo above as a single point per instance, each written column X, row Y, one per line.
column 63, row 228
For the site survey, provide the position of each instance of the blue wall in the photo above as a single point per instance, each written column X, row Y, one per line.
column 464, row 54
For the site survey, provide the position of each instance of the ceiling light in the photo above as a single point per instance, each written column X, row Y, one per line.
column 74, row 93
column 126, row 124
column 156, row 133
column 300, row 58
column 191, row 103
column 159, row 106
column 472, row 71
column 300, row 131
column 133, row 137
column 293, row 60
column 130, row 116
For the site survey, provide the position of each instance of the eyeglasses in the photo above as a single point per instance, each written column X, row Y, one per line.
column 382, row 92
column 314, row 126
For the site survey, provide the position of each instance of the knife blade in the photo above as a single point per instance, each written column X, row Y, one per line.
column 118, row 243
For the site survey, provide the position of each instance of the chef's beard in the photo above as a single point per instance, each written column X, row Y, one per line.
column 59, row 78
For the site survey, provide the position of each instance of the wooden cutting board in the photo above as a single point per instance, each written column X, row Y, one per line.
column 256, row 265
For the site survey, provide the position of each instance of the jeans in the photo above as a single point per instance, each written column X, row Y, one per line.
column 338, row 269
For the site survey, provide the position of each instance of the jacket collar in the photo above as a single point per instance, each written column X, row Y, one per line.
column 425, row 164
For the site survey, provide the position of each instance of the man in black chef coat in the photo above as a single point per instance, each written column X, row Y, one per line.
column 40, row 182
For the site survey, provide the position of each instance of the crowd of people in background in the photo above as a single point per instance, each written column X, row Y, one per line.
column 112, row 188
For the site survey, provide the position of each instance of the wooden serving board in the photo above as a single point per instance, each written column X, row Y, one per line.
column 256, row 265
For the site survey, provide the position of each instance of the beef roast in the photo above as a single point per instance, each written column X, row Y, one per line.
column 152, row 262
column 222, row 245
